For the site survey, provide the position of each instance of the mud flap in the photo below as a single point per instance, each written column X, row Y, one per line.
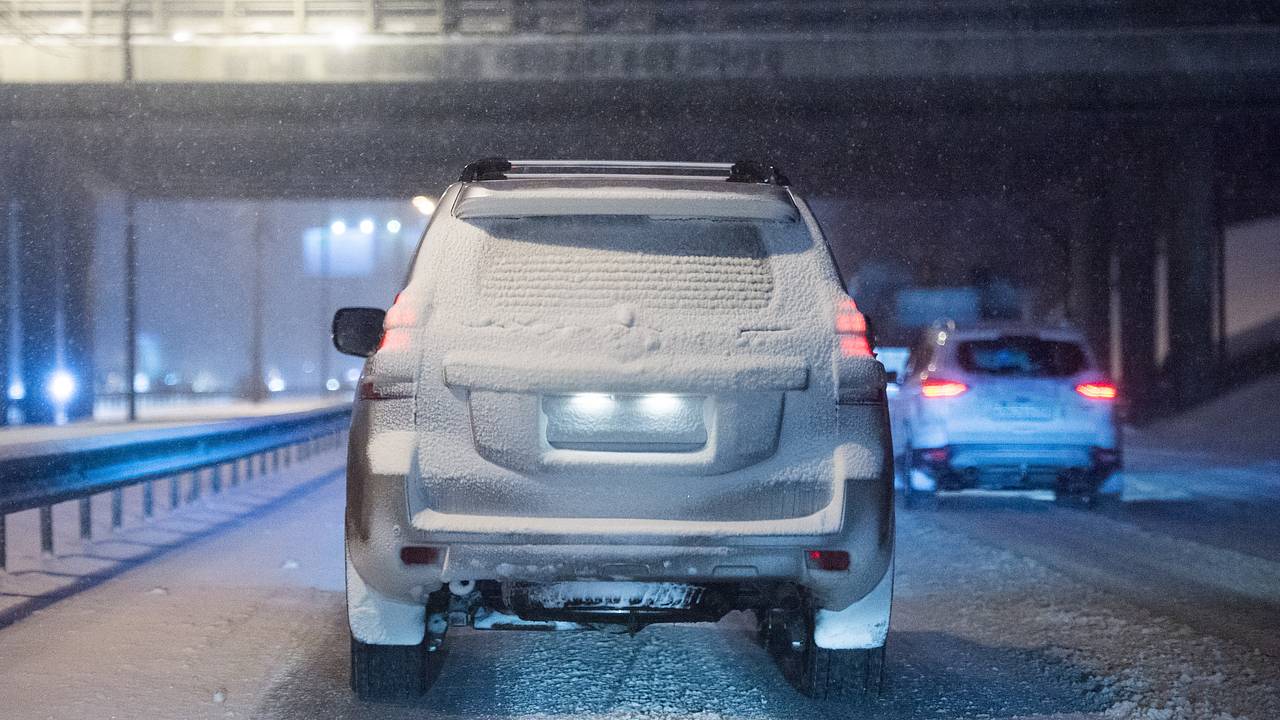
column 861, row 626
column 378, row 620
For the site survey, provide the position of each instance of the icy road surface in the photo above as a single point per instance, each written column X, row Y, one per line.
column 1005, row 608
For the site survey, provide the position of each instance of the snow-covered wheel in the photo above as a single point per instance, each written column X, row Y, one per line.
column 850, row 676
column 844, row 675
column 390, row 672
column 912, row 499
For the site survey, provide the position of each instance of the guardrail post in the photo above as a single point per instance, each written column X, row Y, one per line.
column 175, row 492
column 215, row 482
column 262, row 463
column 117, row 508
column 197, row 479
column 86, row 518
column 288, row 455
column 235, row 472
column 3, row 553
column 275, row 460
column 148, row 499
column 46, row 529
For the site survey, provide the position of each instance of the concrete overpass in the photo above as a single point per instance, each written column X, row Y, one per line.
column 1132, row 136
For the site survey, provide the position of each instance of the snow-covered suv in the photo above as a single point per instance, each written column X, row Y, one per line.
column 1005, row 406
column 618, row 394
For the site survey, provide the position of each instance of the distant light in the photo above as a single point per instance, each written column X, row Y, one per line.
column 366, row 226
column 352, row 375
column 182, row 36
column 17, row 390
column 275, row 384
column 171, row 379
column 62, row 386
column 424, row 205
column 332, row 384
column 393, row 226
column 141, row 383
column 346, row 37
column 592, row 402
column 337, row 227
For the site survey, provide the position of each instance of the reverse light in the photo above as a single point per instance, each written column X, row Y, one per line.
column 833, row 560
column 939, row 388
column 1098, row 390
column 851, row 329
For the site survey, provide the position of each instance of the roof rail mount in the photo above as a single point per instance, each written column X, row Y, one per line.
column 743, row 171
column 750, row 171
column 491, row 168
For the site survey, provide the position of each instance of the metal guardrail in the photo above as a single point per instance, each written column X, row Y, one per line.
column 42, row 475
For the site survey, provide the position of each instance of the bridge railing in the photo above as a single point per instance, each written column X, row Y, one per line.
column 42, row 474
column 184, row 19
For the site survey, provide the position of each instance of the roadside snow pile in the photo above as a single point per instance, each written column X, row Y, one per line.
column 1136, row 665
column 1241, row 422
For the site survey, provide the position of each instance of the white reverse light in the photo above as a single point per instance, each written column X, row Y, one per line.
column 62, row 386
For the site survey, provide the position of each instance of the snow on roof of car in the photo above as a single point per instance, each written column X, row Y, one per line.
column 646, row 195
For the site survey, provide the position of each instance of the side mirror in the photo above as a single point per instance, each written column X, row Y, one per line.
column 358, row 330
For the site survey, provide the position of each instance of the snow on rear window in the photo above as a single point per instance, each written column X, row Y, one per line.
column 1021, row 355
column 584, row 261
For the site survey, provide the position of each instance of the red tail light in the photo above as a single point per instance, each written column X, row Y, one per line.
column 836, row 560
column 1098, row 390
column 851, row 329
column 939, row 388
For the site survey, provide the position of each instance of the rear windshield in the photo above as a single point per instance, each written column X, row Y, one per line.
column 592, row 261
column 1021, row 355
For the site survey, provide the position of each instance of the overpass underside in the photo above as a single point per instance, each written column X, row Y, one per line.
column 1123, row 155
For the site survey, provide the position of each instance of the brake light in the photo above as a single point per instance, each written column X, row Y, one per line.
column 835, row 560
column 1098, row 390
column 851, row 329
column 939, row 388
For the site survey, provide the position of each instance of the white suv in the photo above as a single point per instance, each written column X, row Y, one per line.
column 1005, row 406
column 611, row 395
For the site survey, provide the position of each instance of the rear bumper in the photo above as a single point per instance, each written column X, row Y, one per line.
column 1018, row 466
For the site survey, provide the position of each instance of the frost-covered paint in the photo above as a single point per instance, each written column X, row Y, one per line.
column 500, row 312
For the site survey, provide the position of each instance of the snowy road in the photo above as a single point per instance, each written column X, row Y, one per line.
column 1004, row 609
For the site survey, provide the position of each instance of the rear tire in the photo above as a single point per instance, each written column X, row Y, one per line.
column 854, row 677
column 845, row 675
column 390, row 672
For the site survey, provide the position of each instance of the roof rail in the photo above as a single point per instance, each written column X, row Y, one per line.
column 743, row 171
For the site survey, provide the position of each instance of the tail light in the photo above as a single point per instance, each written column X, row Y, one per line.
column 940, row 388
column 835, row 560
column 1100, row 390
column 851, row 329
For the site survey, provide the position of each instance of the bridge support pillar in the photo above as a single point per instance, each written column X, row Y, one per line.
column 1194, row 232
column 47, row 225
